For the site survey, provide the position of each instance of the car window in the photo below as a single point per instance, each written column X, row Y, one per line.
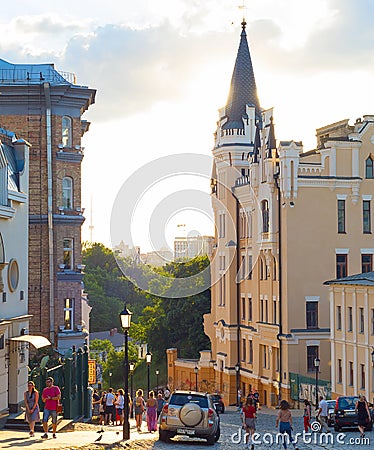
column 348, row 402
column 216, row 398
column 182, row 399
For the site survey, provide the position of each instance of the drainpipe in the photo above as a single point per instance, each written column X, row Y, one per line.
column 47, row 94
column 276, row 180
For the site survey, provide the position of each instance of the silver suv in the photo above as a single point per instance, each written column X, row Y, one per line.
column 191, row 414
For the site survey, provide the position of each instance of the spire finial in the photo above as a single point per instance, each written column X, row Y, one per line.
column 243, row 7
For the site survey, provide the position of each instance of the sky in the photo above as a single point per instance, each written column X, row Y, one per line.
column 162, row 69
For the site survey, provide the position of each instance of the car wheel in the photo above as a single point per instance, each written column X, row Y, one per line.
column 191, row 414
column 217, row 435
column 336, row 428
column 223, row 409
column 211, row 440
column 163, row 436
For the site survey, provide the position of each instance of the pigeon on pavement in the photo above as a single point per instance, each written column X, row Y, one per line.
column 99, row 438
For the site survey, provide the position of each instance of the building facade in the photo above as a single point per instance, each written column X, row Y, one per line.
column 46, row 107
column 191, row 246
column 352, row 335
column 286, row 220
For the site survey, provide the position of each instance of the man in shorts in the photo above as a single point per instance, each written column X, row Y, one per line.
column 51, row 396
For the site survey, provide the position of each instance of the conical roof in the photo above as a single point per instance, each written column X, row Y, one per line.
column 243, row 89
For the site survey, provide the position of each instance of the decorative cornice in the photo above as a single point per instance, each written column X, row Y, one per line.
column 69, row 157
column 58, row 219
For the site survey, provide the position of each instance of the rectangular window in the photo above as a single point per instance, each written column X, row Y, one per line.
column 350, row 319
column 243, row 268
column 274, row 311
column 264, row 356
column 261, row 310
column 341, row 265
column 350, row 374
column 362, row 320
column 311, row 355
column 68, row 253
column 69, row 314
column 249, row 275
column 250, row 355
column 366, row 263
column 312, row 314
column 243, row 308
column 2, row 342
column 222, row 225
column 244, row 349
column 366, row 217
column 372, row 321
column 340, row 371
column 266, row 312
column 222, row 290
column 362, row 371
column 341, row 216
column 338, row 317
column 250, row 318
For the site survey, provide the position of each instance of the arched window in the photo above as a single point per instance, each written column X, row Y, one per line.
column 265, row 216
column 66, row 131
column 369, row 167
column 67, row 192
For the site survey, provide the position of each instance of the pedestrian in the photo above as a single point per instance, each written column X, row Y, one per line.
column 166, row 394
column 239, row 399
column 32, row 415
column 323, row 411
column 120, row 404
column 160, row 404
column 139, row 409
column 249, row 420
column 256, row 398
column 110, row 410
column 151, row 412
column 95, row 403
column 51, row 396
column 307, row 415
column 363, row 414
column 284, row 420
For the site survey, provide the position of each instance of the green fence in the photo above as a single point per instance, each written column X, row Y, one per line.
column 304, row 388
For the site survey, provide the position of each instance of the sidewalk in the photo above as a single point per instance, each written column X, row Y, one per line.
column 10, row 439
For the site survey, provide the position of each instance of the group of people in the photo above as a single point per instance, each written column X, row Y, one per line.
column 284, row 417
column 51, row 396
column 109, row 407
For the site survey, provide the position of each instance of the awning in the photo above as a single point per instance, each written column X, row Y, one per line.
column 36, row 341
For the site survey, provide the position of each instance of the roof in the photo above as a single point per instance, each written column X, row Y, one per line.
column 117, row 339
column 32, row 74
column 243, row 89
column 360, row 279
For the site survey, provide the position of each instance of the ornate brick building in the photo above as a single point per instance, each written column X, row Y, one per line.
column 46, row 107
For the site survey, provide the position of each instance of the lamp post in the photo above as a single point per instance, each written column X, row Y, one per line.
column 148, row 360
column 237, row 370
column 131, row 367
column 110, row 379
column 157, row 374
column 316, row 365
column 125, row 317
column 196, row 370
column 372, row 357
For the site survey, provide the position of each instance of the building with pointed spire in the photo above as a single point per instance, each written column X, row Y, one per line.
column 286, row 221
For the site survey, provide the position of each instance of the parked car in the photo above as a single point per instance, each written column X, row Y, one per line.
column 345, row 414
column 331, row 413
column 191, row 414
column 218, row 403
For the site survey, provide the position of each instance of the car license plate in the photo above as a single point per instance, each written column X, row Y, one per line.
column 350, row 413
column 185, row 431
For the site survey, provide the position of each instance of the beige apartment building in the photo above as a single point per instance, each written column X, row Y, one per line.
column 352, row 335
column 287, row 220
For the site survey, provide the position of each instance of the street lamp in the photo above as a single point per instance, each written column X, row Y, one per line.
column 132, row 367
column 110, row 379
column 196, row 370
column 148, row 360
column 157, row 374
column 372, row 357
column 125, row 317
column 237, row 370
column 316, row 365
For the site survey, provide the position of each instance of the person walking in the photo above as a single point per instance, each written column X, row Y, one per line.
column 110, row 410
column 120, row 404
column 160, row 404
column 95, row 403
column 307, row 415
column 151, row 412
column 50, row 396
column 363, row 414
column 249, row 420
column 323, row 411
column 284, row 420
column 32, row 415
column 139, row 409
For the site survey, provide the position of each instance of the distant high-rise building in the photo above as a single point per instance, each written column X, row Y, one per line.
column 191, row 246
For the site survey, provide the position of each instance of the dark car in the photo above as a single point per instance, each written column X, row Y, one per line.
column 346, row 415
column 218, row 403
column 331, row 412
column 191, row 414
